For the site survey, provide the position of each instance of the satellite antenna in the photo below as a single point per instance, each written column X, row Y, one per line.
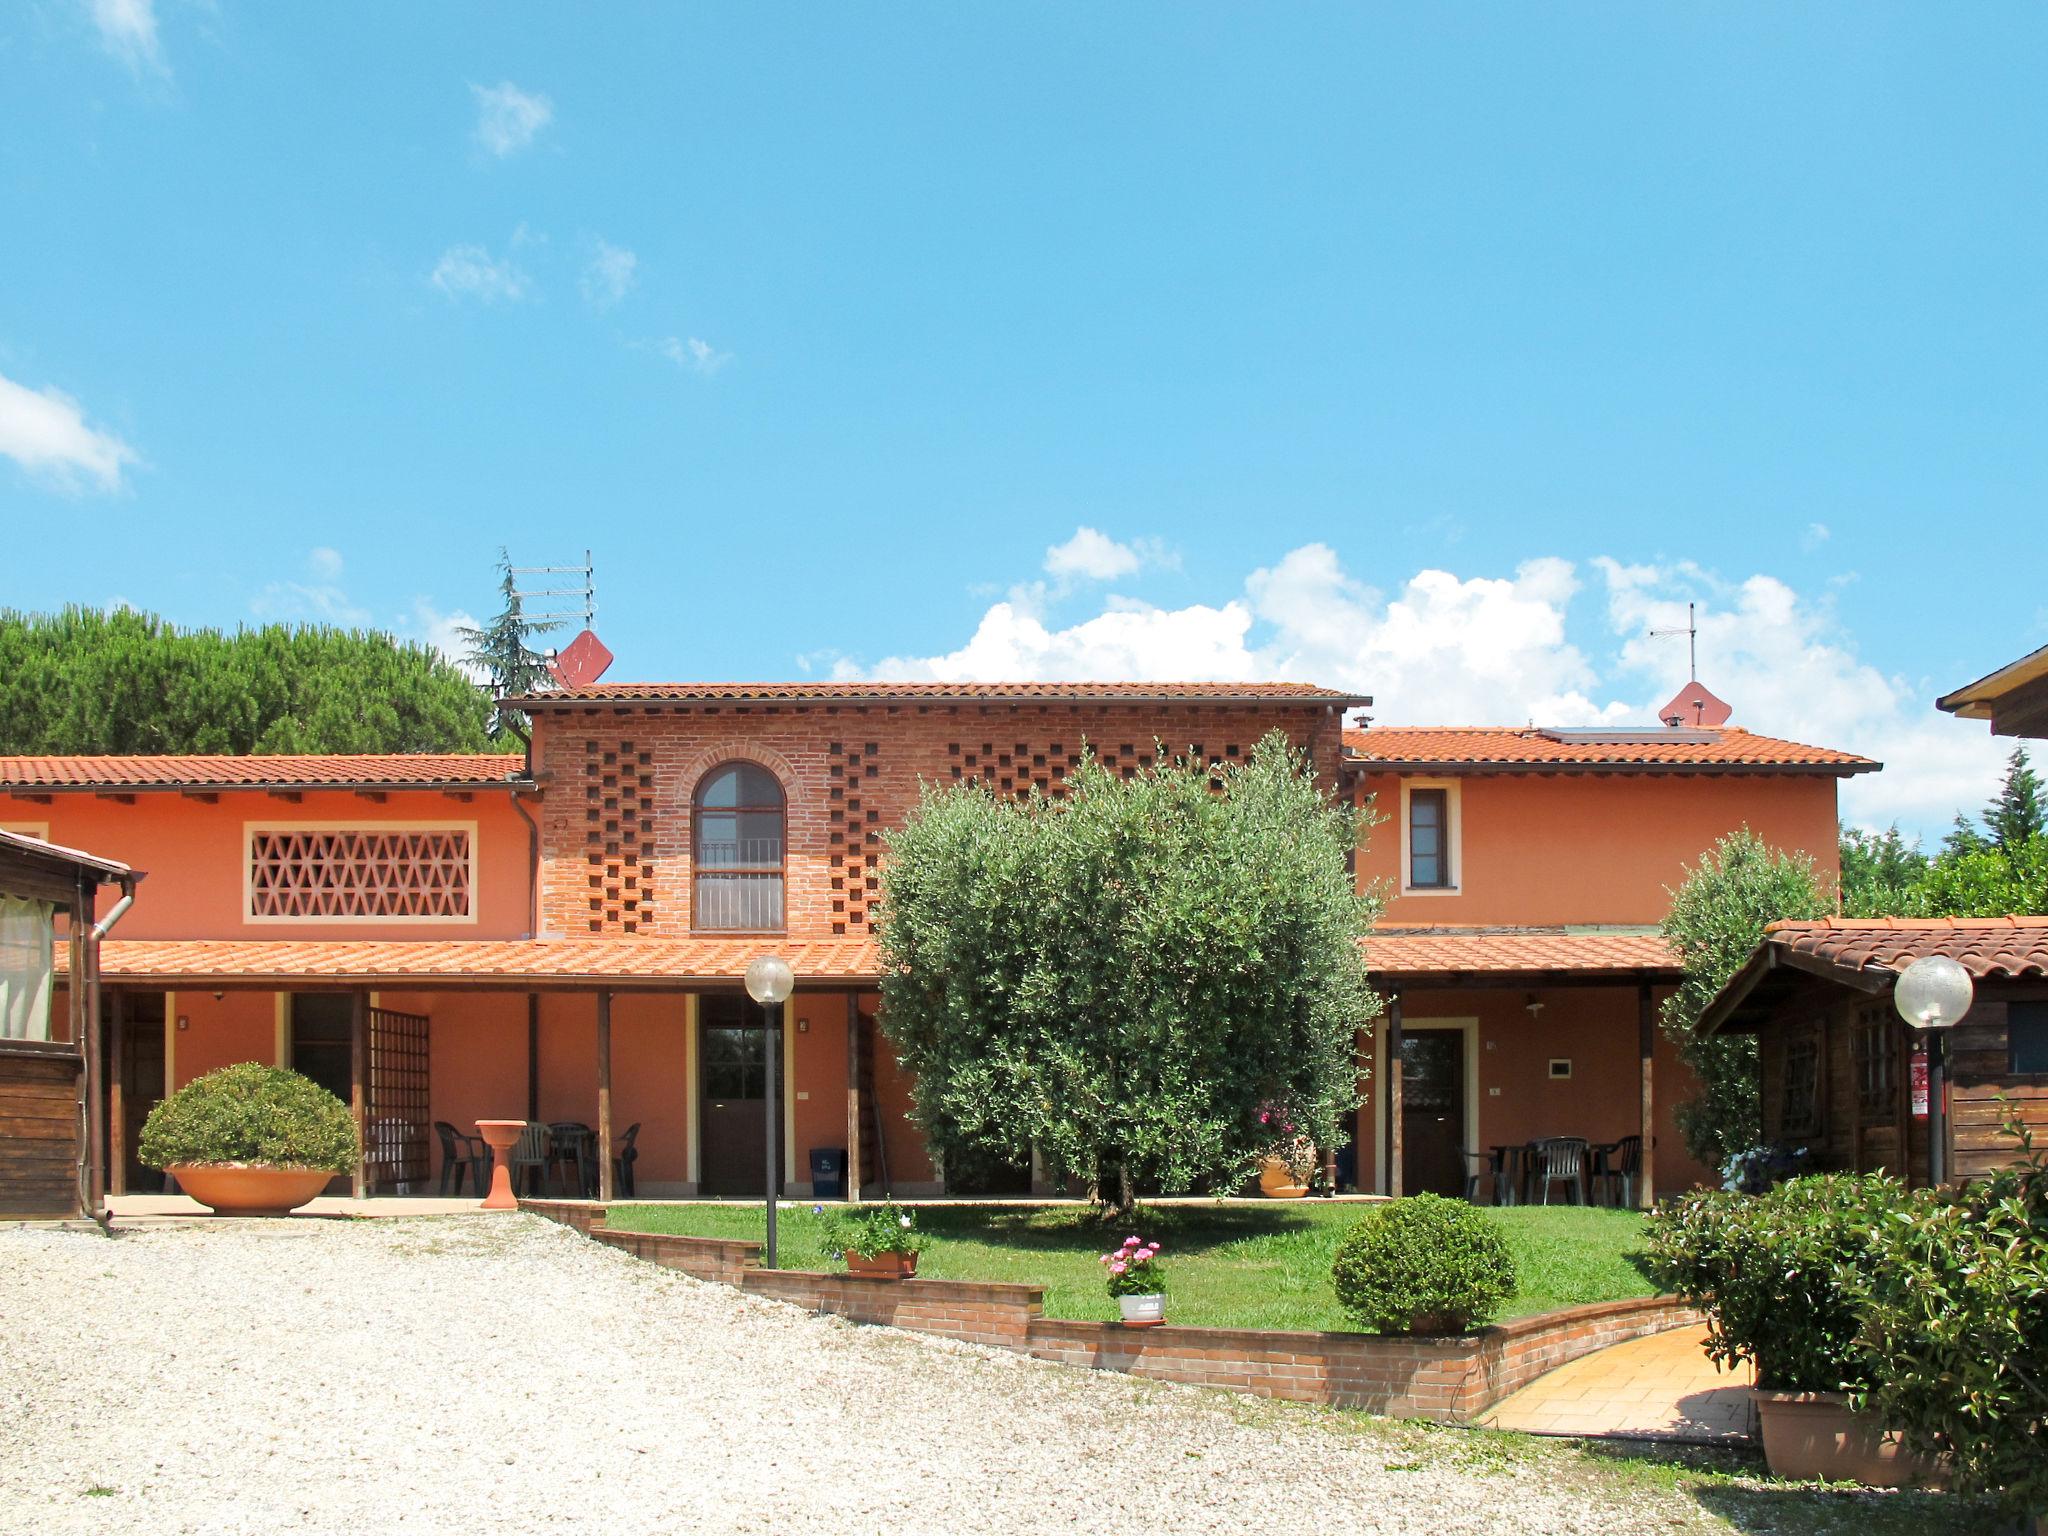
column 583, row 660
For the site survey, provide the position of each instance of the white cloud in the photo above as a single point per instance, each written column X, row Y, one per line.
column 318, row 599
column 693, row 354
column 45, row 431
column 471, row 272
column 609, row 275
column 443, row 631
column 1816, row 534
column 1093, row 555
column 507, row 118
column 127, row 30
column 1446, row 649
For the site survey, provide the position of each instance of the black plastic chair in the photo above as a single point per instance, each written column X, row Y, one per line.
column 570, row 1147
column 1560, row 1160
column 622, row 1164
column 462, row 1155
column 530, row 1153
column 1618, row 1169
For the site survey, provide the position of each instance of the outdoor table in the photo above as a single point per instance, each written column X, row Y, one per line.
column 503, row 1135
column 1513, row 1162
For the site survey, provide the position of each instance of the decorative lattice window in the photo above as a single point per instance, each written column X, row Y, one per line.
column 1877, row 1060
column 375, row 873
column 1801, row 1113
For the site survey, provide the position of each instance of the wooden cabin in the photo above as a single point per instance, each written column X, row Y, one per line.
column 48, row 1059
column 1844, row 1077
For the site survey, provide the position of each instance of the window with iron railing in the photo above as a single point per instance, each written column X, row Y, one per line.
column 740, row 849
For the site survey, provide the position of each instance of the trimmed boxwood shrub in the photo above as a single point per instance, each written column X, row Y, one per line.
column 1423, row 1265
column 1780, row 1275
column 251, row 1114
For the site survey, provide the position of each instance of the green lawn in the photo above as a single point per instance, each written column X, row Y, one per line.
column 1233, row 1266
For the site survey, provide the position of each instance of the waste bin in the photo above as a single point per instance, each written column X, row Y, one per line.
column 828, row 1173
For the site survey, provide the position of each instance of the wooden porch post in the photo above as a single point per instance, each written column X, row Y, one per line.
column 604, row 1095
column 533, row 1055
column 1646, row 1051
column 1393, row 1093
column 852, row 1096
column 117, row 1096
column 87, row 1040
column 359, row 1085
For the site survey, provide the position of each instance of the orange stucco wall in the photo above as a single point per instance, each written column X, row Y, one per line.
column 207, row 1034
column 1517, row 1100
column 1535, row 849
column 192, row 852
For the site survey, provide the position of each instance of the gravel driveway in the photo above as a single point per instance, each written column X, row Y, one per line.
column 475, row 1374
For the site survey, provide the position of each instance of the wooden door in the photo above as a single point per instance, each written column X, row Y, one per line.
column 733, row 1065
column 1433, row 1112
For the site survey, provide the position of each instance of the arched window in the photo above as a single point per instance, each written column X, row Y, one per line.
column 739, row 850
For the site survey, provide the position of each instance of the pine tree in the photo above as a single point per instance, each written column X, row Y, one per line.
column 2017, row 814
column 86, row 680
column 501, row 652
column 1963, row 837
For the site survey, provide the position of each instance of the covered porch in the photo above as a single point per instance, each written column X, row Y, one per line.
column 648, row 1053
column 1508, row 1037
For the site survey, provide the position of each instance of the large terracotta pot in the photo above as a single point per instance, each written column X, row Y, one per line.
column 883, row 1266
column 1816, row 1435
column 1277, row 1181
column 249, row 1191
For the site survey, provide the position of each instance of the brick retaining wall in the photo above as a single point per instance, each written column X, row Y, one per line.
column 1451, row 1380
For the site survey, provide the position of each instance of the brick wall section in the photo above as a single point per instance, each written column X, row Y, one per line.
column 1449, row 1380
column 615, row 821
column 1001, row 1316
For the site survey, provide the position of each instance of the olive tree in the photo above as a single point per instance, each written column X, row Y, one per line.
column 1122, row 974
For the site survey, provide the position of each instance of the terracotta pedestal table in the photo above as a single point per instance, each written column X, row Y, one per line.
column 503, row 1135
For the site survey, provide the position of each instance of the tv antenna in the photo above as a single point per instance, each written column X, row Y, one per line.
column 587, row 592
column 1692, row 639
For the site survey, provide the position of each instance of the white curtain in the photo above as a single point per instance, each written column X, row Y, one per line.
column 28, row 937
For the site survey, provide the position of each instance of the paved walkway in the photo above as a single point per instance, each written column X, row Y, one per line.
column 1658, row 1388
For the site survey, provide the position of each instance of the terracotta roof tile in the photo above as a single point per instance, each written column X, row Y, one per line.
column 1508, row 749
column 619, row 961
column 1984, row 946
column 1027, row 692
column 228, row 771
column 1446, row 952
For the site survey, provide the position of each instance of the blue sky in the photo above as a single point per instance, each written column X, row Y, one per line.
column 1439, row 353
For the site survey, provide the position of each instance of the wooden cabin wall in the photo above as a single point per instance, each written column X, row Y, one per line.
column 1983, row 1092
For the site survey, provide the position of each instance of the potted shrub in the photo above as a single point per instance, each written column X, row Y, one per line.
column 1782, row 1278
column 880, row 1242
column 1423, row 1265
column 250, row 1140
column 1289, row 1163
column 1954, row 1338
column 1138, row 1282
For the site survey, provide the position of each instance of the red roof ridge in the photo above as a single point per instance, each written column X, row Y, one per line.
column 2010, row 920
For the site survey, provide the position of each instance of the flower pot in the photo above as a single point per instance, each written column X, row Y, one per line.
column 882, row 1266
column 1277, row 1180
column 1816, row 1435
column 250, row 1191
column 1147, row 1311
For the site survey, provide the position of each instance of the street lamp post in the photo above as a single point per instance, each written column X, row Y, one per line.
column 1933, row 994
column 769, row 983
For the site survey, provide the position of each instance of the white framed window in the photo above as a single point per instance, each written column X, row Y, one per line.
column 39, row 829
column 1432, row 844
column 359, row 872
